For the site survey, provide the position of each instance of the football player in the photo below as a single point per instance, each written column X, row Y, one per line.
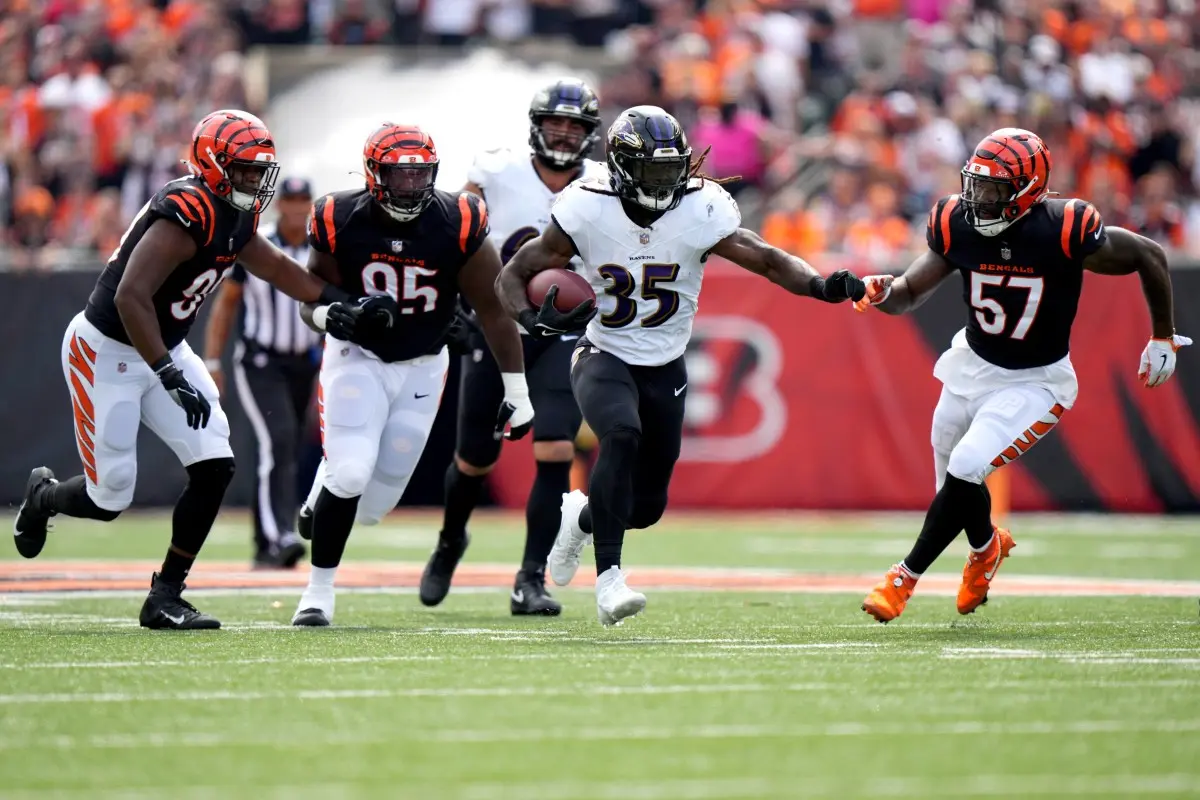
column 412, row 249
column 519, row 186
column 126, row 361
column 1007, row 378
column 643, row 233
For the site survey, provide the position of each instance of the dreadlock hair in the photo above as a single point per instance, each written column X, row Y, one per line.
column 695, row 172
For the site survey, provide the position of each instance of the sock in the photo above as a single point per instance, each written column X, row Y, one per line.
column 322, row 576
column 195, row 512
column 610, row 495
column 978, row 520
column 955, row 503
column 333, row 517
column 585, row 519
column 462, row 494
column 543, row 512
column 70, row 497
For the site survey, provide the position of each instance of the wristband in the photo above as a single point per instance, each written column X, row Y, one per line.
column 320, row 315
column 332, row 294
column 162, row 363
column 816, row 288
column 514, row 385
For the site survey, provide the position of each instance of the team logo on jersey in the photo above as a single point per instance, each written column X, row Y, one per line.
column 735, row 411
column 122, row 367
column 644, row 238
column 397, row 245
column 1005, row 253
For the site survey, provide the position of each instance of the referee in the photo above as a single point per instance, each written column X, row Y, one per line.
column 274, row 367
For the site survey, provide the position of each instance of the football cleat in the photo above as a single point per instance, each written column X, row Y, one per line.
column 310, row 618
column 165, row 609
column 435, row 580
column 981, row 568
column 29, row 529
column 614, row 600
column 889, row 597
column 530, row 598
column 563, row 561
column 315, row 609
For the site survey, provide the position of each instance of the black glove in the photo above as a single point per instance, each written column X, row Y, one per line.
column 183, row 393
column 342, row 320
column 379, row 312
column 548, row 322
column 458, row 335
column 840, row 286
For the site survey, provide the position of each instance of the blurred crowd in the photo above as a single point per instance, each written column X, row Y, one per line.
column 844, row 119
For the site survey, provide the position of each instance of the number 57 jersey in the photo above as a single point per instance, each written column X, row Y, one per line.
column 647, row 280
column 416, row 262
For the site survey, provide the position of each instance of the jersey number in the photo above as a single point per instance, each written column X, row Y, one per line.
column 380, row 278
column 990, row 313
column 194, row 294
column 623, row 285
column 513, row 243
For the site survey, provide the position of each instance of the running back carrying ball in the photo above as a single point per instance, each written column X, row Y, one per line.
column 573, row 289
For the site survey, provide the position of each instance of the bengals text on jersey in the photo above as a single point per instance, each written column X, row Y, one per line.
column 219, row 230
column 416, row 262
column 1023, row 285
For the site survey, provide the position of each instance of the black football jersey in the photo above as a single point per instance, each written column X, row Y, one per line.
column 416, row 262
column 219, row 230
column 1021, row 287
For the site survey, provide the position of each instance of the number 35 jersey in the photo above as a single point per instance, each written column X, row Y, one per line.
column 417, row 262
column 517, row 199
column 219, row 231
column 647, row 280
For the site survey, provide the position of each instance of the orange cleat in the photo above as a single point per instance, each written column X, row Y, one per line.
column 887, row 600
column 980, row 569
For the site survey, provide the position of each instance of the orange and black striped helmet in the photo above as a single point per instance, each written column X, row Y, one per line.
column 234, row 154
column 401, row 163
column 1006, row 176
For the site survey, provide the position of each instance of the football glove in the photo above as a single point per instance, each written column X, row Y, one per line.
column 186, row 396
column 458, row 335
column 516, row 411
column 1158, row 360
column 548, row 322
column 840, row 286
column 879, row 289
column 341, row 320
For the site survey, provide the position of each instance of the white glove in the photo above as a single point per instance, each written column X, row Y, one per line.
column 879, row 288
column 516, row 412
column 1158, row 360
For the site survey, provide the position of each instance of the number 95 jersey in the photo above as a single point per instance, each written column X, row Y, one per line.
column 647, row 280
column 417, row 262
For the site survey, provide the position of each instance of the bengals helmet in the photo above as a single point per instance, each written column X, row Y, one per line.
column 648, row 158
column 401, row 163
column 234, row 154
column 571, row 99
column 1006, row 176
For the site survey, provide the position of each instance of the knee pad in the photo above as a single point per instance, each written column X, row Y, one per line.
column 647, row 510
column 213, row 473
column 968, row 463
column 347, row 477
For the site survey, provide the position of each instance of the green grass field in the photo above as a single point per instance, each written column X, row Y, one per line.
column 708, row 694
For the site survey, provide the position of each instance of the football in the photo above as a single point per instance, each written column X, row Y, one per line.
column 573, row 289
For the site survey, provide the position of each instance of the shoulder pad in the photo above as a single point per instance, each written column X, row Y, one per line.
column 938, row 234
column 328, row 217
column 488, row 164
column 473, row 225
column 1079, row 227
column 579, row 203
column 191, row 207
column 716, row 212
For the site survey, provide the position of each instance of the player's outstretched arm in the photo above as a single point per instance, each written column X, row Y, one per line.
column 893, row 295
column 748, row 250
column 334, row 313
column 164, row 247
column 1124, row 253
column 276, row 267
column 552, row 250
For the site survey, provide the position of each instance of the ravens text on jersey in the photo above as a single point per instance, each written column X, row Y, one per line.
column 219, row 230
column 1022, row 287
column 416, row 263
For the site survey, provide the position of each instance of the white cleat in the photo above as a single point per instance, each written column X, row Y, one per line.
column 315, row 609
column 614, row 600
column 563, row 561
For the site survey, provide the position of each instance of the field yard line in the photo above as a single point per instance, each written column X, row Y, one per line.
column 643, row 733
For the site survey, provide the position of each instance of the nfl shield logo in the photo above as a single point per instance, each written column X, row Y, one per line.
column 1005, row 253
column 122, row 367
column 397, row 245
column 644, row 238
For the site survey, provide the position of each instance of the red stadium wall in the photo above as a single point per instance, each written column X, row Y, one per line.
column 797, row 404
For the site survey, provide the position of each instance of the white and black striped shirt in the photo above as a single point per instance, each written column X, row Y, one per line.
column 271, row 319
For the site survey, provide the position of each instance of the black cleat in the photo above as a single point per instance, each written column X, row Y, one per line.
column 435, row 580
column 310, row 618
column 304, row 523
column 29, row 530
column 166, row 609
column 286, row 556
column 530, row 598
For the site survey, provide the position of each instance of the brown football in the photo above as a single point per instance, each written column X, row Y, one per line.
column 573, row 289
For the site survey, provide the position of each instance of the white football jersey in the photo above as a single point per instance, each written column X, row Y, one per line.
column 647, row 280
column 518, row 202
